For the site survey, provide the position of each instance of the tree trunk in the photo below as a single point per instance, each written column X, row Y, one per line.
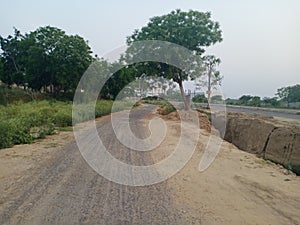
column 184, row 97
column 209, row 88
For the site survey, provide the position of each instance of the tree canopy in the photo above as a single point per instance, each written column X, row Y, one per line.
column 46, row 57
column 289, row 94
column 192, row 30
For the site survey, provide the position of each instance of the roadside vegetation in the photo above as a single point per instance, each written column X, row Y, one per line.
column 21, row 123
column 286, row 97
column 164, row 107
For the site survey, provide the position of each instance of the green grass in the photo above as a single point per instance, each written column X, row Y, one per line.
column 21, row 123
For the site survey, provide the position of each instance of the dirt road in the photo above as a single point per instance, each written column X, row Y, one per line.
column 49, row 182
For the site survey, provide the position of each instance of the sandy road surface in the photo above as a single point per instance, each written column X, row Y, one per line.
column 50, row 183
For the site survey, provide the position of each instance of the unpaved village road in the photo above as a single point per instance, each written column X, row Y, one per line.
column 49, row 182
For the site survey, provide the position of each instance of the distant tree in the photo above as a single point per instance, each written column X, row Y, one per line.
column 120, row 79
column 244, row 100
column 192, row 30
column 56, row 59
column 13, row 67
column 230, row 101
column 213, row 75
column 174, row 95
column 217, row 98
column 255, row 101
column 283, row 94
column 270, row 102
column 1, row 67
column 200, row 98
column 249, row 100
column 289, row 94
column 46, row 57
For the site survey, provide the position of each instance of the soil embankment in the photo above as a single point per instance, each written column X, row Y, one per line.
column 269, row 138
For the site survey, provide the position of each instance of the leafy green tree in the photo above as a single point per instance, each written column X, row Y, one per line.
column 192, row 30
column 200, row 98
column 255, row 101
column 283, row 93
column 119, row 80
column 1, row 67
column 244, row 100
column 249, row 100
column 213, row 75
column 217, row 98
column 289, row 94
column 45, row 58
column 270, row 101
column 13, row 69
column 230, row 101
column 56, row 59
column 72, row 56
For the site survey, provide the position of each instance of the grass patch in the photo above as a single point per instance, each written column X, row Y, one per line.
column 21, row 123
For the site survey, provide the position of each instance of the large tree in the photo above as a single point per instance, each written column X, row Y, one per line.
column 213, row 75
column 289, row 94
column 56, row 59
column 13, row 67
column 46, row 57
column 192, row 30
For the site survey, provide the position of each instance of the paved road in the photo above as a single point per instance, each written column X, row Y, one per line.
column 254, row 110
column 67, row 191
column 263, row 112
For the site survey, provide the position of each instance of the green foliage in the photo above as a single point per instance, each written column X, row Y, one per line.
column 217, row 99
column 244, row 100
column 120, row 79
column 192, row 30
column 289, row 94
column 154, row 100
column 213, row 76
column 6, row 134
column 230, row 101
column 270, row 102
column 166, row 108
column 174, row 95
column 182, row 28
column 45, row 58
column 255, row 101
column 199, row 98
column 23, row 122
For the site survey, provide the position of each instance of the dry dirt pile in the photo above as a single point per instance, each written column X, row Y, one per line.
column 204, row 122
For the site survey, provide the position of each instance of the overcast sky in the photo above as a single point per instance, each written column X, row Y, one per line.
column 260, row 51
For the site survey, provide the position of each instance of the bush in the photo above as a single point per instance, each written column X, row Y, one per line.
column 103, row 108
column 166, row 109
column 199, row 98
column 6, row 135
column 21, row 123
column 63, row 119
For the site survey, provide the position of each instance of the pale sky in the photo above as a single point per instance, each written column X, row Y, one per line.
column 260, row 51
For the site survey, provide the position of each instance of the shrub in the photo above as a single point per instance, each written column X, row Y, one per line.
column 6, row 135
column 63, row 118
column 166, row 109
column 23, row 122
